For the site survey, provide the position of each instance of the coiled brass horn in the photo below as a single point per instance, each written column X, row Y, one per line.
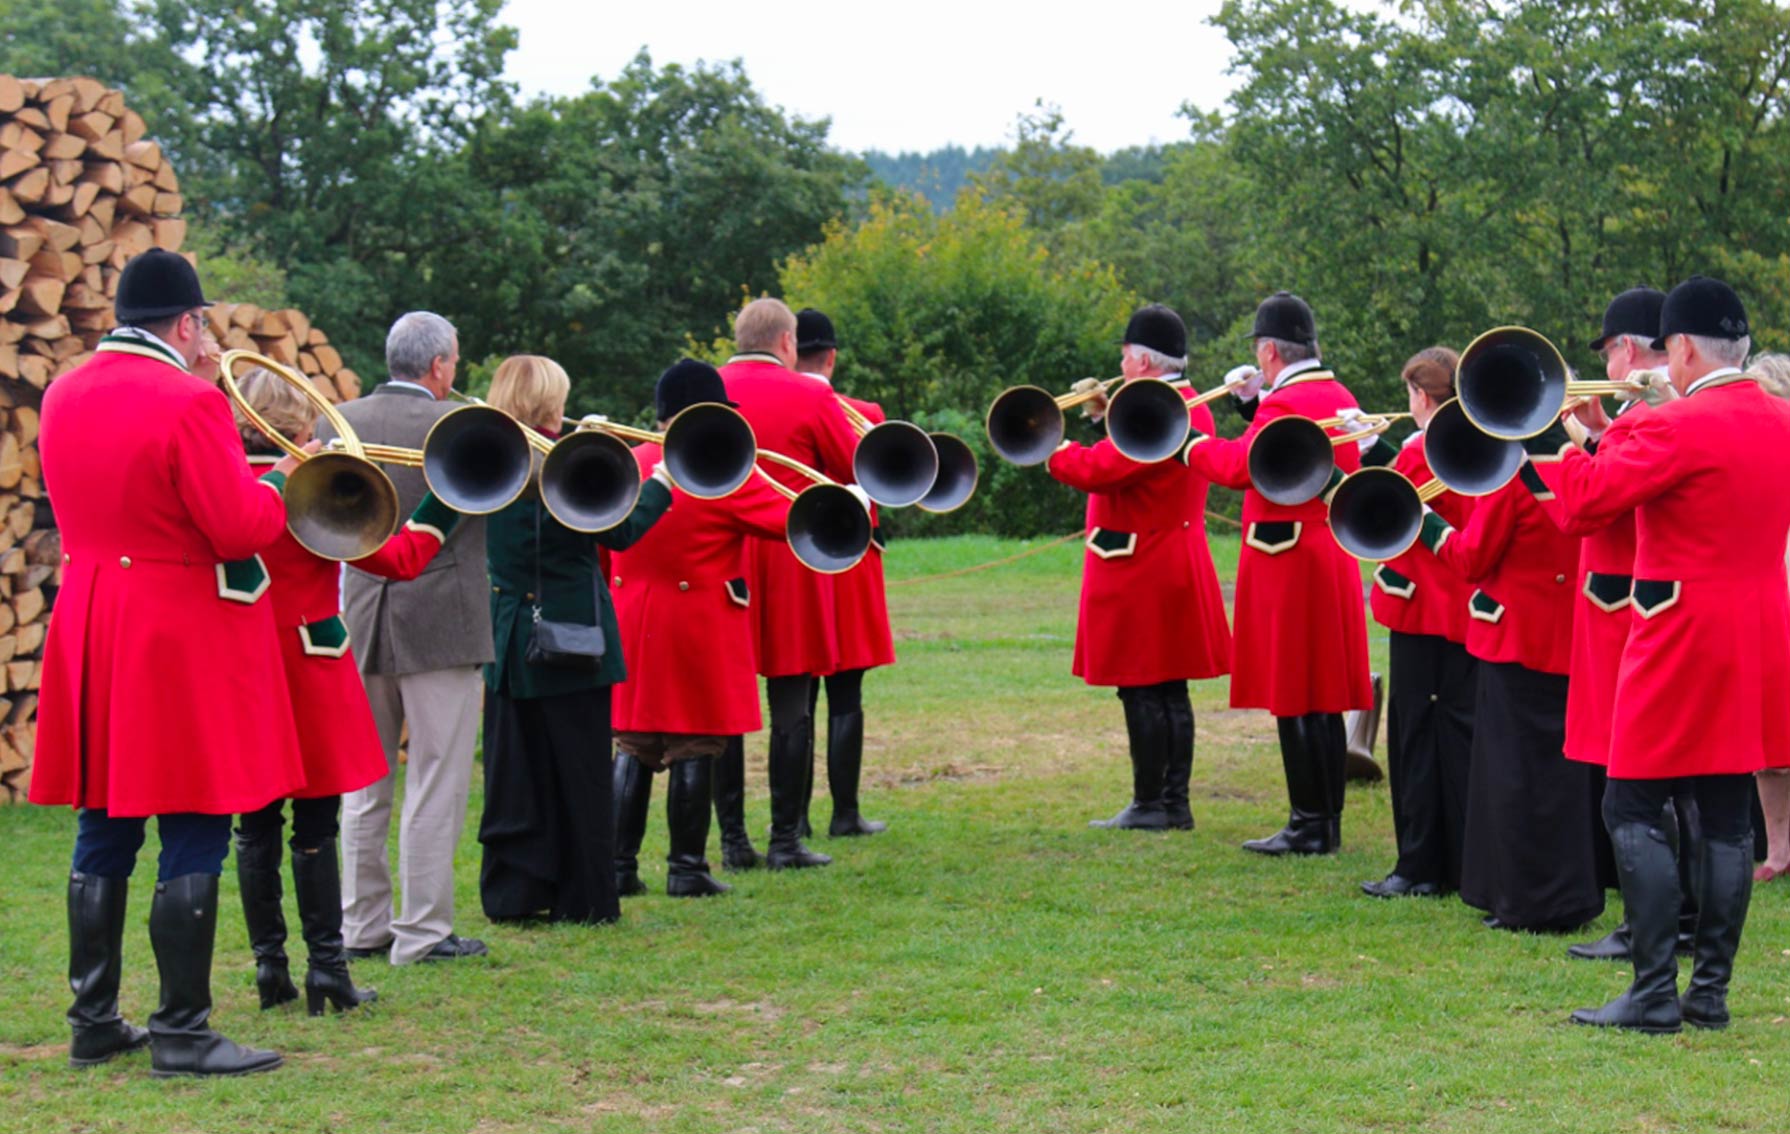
column 1025, row 423
column 339, row 504
column 1513, row 383
column 1291, row 459
column 590, row 480
column 895, row 462
column 828, row 527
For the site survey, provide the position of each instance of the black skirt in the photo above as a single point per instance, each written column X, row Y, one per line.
column 548, row 830
column 1530, row 857
column 1429, row 749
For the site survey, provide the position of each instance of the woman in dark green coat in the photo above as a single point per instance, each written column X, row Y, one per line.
column 548, row 829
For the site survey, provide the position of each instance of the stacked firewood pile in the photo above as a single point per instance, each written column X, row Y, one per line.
column 81, row 192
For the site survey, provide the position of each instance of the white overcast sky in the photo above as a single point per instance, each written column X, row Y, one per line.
column 908, row 74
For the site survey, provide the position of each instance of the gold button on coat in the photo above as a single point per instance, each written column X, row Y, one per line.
column 124, row 561
column 683, row 586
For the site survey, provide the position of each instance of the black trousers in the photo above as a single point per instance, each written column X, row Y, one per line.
column 548, row 830
column 191, row 844
column 1429, row 753
column 314, row 821
column 1724, row 803
column 1530, row 854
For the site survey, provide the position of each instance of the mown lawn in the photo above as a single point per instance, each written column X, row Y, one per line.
column 990, row 963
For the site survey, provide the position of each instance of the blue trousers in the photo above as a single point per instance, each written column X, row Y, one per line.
column 191, row 844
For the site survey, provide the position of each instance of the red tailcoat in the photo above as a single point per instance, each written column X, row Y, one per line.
column 1145, row 615
column 794, row 626
column 1301, row 631
column 162, row 684
column 1415, row 593
column 1701, row 688
column 860, row 600
column 682, row 610
column 1523, row 568
column 1600, row 616
column 336, row 735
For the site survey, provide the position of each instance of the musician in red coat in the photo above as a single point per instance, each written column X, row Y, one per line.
column 683, row 613
column 1530, row 853
column 1151, row 615
column 1301, row 634
column 337, row 737
column 861, row 618
column 1429, row 726
column 163, row 692
column 796, row 632
column 1699, row 694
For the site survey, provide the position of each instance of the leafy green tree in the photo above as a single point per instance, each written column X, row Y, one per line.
column 103, row 39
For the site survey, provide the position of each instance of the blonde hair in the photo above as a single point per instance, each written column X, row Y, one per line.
column 277, row 401
column 531, row 388
column 761, row 323
column 1772, row 371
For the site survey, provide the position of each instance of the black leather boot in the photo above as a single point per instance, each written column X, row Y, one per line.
column 258, row 861
column 1146, row 727
column 633, row 799
column 1690, row 835
column 1612, row 946
column 317, row 882
column 729, row 788
column 95, row 963
column 1178, row 777
column 183, row 923
column 845, row 767
column 687, row 813
column 789, row 761
column 805, row 829
column 1649, row 876
column 1724, row 891
column 1325, row 732
column 1308, row 829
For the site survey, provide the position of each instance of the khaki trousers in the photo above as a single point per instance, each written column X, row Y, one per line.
column 442, row 709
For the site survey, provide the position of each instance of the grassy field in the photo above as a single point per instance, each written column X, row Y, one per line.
column 990, row 963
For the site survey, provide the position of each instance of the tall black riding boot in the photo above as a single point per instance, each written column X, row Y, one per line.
column 788, row 758
column 845, row 767
column 95, row 963
column 1308, row 794
column 1178, row 778
column 687, row 813
column 258, row 863
column 1724, row 891
column 633, row 799
column 183, row 924
column 1325, row 731
column 1690, row 836
column 1649, row 876
column 1146, row 727
column 805, row 829
column 729, row 786
column 317, row 881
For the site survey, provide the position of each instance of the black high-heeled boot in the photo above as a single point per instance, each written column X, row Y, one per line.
column 687, row 814
column 183, row 925
column 95, row 963
column 633, row 797
column 258, row 858
column 317, row 881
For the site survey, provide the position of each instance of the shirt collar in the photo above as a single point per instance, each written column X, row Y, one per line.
column 756, row 356
column 148, row 339
column 1296, row 369
column 812, row 374
column 1724, row 372
column 412, row 385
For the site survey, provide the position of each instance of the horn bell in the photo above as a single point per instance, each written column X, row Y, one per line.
column 590, row 481
column 828, row 529
column 895, row 464
column 340, row 507
column 958, row 474
column 1376, row 514
column 1511, row 382
column 1025, row 425
column 1147, row 420
column 1465, row 458
column 710, row 450
column 1290, row 460
column 477, row 459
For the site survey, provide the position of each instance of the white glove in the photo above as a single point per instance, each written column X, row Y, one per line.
column 592, row 420
column 1095, row 407
column 661, row 475
column 1656, row 386
column 862, row 496
column 1355, row 421
column 1245, row 382
column 1577, row 430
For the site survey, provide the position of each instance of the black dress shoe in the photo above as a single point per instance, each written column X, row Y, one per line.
column 360, row 954
column 1296, row 839
column 453, row 947
column 1493, row 921
column 1398, row 886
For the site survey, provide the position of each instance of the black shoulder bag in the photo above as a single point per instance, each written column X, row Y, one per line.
column 563, row 645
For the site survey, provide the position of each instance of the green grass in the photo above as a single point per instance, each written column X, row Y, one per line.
column 990, row 963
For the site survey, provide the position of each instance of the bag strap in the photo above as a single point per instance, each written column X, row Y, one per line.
column 537, row 598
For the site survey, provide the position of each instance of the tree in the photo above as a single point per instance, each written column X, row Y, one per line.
column 103, row 39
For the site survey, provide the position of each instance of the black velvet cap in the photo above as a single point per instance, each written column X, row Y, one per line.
column 1159, row 329
column 814, row 331
column 156, row 285
column 1702, row 305
column 1634, row 312
column 1285, row 316
column 685, row 383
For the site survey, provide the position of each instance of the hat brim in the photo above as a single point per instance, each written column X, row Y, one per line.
column 1599, row 343
column 1657, row 344
column 166, row 311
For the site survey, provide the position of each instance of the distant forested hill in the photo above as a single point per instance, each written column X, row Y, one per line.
column 937, row 176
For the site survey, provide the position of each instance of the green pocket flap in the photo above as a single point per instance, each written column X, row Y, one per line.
column 1484, row 607
column 327, row 638
column 243, row 580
